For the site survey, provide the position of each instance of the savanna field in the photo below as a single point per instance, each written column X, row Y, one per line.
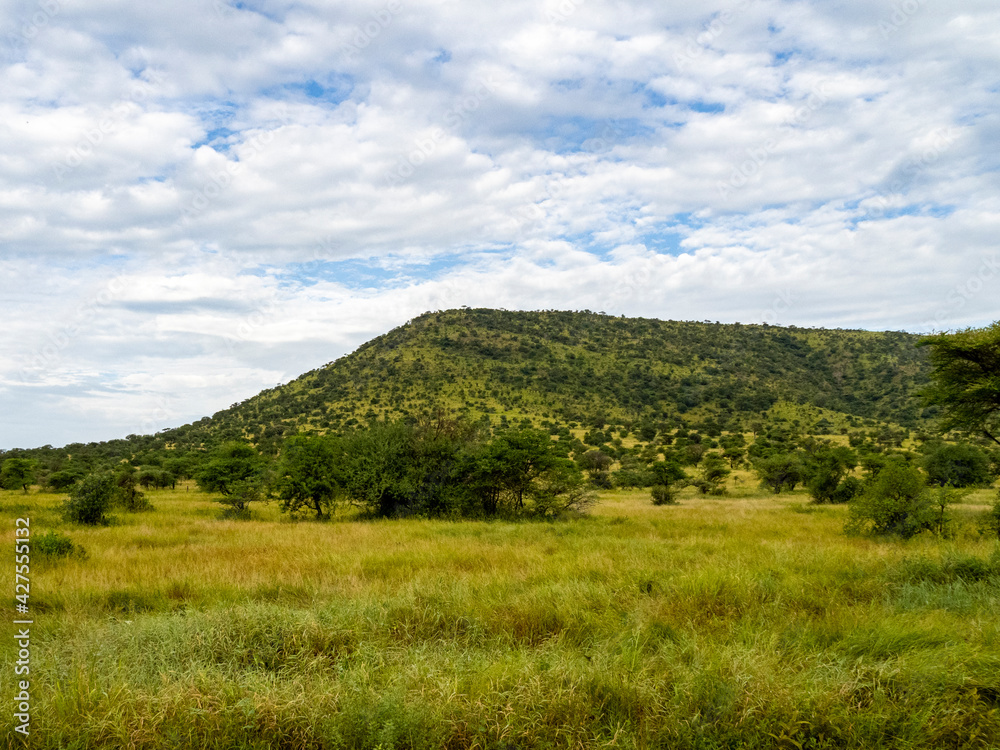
column 748, row 620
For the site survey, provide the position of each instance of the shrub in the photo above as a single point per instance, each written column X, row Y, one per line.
column 90, row 500
column 53, row 544
column 663, row 494
column 896, row 501
column 848, row 489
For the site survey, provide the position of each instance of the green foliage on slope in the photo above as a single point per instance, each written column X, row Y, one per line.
column 584, row 367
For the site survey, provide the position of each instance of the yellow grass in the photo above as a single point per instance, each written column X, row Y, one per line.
column 742, row 621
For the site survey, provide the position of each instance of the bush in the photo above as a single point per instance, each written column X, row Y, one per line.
column 53, row 544
column 663, row 494
column 896, row 501
column 848, row 489
column 90, row 500
column 126, row 496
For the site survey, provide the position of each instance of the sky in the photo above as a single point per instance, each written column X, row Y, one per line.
column 202, row 199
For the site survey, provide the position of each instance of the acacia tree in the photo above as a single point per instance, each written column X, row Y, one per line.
column 965, row 380
column 17, row 473
column 236, row 472
column 779, row 472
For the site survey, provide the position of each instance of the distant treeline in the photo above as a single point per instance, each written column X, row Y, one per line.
column 447, row 467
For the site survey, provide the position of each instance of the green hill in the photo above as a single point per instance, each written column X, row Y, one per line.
column 588, row 367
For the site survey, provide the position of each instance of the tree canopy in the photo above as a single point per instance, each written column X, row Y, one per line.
column 965, row 380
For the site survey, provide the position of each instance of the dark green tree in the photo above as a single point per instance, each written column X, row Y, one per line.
column 236, row 471
column 965, row 380
column 826, row 471
column 230, row 463
column 308, row 474
column 523, row 456
column 895, row 501
column 91, row 499
column 375, row 467
column 17, row 474
column 958, row 465
column 778, row 472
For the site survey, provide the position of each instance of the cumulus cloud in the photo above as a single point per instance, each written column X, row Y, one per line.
column 201, row 199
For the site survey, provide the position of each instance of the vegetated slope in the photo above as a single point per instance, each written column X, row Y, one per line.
column 578, row 366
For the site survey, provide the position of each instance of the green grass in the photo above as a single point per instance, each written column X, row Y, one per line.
column 742, row 621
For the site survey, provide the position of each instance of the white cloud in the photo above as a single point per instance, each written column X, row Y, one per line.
column 197, row 200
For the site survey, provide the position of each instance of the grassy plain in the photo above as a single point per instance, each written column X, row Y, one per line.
column 744, row 621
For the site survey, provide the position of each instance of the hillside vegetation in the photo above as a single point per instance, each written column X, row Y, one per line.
column 582, row 366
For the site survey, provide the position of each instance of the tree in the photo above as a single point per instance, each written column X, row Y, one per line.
column 126, row 495
column 828, row 468
column 965, row 380
column 307, row 474
column 733, row 448
column 90, row 500
column 230, row 463
column 235, row 471
column 713, row 475
column 781, row 471
column 524, row 455
column 17, row 473
column 958, row 465
column 895, row 501
column 666, row 473
column 375, row 467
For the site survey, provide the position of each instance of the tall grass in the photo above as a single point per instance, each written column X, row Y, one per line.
column 716, row 623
